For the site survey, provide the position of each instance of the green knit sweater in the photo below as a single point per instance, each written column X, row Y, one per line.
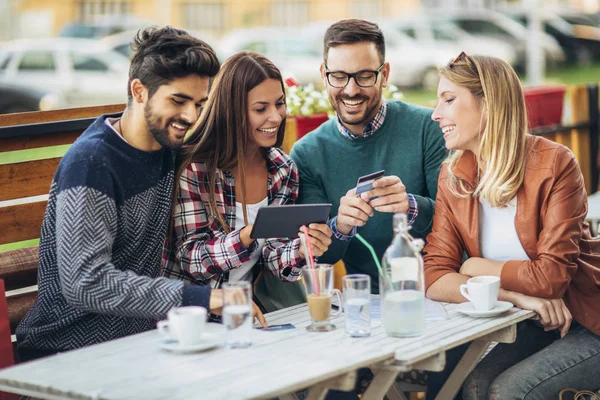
column 409, row 145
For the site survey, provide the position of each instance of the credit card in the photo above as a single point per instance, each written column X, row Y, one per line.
column 282, row 327
column 365, row 183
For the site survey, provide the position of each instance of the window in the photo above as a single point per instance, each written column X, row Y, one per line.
column 410, row 32
column 87, row 62
column 37, row 61
column 5, row 60
column 88, row 10
column 205, row 16
column 289, row 13
column 480, row 27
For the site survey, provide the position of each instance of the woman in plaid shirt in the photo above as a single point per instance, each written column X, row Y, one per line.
column 229, row 167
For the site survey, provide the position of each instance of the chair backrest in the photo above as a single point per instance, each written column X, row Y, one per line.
column 31, row 146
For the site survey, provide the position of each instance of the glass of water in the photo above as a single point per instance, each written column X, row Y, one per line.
column 357, row 304
column 237, row 313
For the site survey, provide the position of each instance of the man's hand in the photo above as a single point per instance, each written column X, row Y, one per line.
column 216, row 305
column 391, row 193
column 353, row 211
column 553, row 313
column 320, row 239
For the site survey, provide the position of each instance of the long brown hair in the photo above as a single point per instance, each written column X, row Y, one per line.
column 222, row 136
column 502, row 142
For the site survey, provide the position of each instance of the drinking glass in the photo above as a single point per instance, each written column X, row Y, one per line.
column 318, row 284
column 357, row 304
column 237, row 313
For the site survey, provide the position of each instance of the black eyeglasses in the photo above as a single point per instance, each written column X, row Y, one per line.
column 364, row 78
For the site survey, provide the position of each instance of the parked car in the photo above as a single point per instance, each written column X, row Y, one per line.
column 81, row 70
column 120, row 42
column 488, row 23
column 442, row 35
column 296, row 55
column 412, row 62
column 15, row 99
column 580, row 42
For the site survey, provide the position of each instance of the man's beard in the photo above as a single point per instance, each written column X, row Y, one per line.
column 160, row 133
column 366, row 117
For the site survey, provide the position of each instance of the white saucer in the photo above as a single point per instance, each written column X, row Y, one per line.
column 468, row 309
column 208, row 342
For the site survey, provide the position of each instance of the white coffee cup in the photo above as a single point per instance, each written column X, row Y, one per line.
column 482, row 291
column 186, row 324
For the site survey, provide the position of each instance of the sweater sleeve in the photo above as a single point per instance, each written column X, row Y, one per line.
column 86, row 232
column 549, row 274
column 434, row 154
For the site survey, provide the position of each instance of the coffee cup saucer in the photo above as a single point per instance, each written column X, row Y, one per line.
column 209, row 341
column 468, row 309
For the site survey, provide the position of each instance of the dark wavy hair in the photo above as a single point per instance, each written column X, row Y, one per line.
column 161, row 55
column 350, row 31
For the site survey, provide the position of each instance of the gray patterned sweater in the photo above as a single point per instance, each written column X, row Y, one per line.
column 100, row 246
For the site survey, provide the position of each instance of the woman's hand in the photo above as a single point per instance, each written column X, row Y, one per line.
column 553, row 313
column 320, row 239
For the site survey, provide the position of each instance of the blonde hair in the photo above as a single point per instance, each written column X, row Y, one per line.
column 501, row 154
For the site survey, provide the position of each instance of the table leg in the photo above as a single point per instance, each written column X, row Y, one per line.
column 345, row 382
column 383, row 379
column 470, row 359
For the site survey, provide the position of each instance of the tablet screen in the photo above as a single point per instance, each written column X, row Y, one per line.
column 285, row 221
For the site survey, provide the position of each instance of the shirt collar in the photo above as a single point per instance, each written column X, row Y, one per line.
column 370, row 129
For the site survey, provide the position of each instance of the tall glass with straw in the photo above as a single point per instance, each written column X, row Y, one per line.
column 402, row 283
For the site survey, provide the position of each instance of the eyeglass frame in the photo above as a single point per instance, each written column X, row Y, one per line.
column 353, row 76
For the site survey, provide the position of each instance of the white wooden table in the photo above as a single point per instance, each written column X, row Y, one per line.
column 278, row 363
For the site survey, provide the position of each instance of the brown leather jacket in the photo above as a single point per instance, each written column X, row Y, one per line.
column 550, row 223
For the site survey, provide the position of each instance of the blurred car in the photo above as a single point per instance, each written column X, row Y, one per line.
column 120, row 42
column 580, row 42
column 15, row 99
column 488, row 23
column 103, row 26
column 442, row 35
column 296, row 55
column 412, row 62
column 83, row 71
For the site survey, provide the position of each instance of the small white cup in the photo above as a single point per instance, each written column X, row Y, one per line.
column 482, row 291
column 186, row 324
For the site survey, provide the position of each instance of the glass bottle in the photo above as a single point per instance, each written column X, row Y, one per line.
column 402, row 286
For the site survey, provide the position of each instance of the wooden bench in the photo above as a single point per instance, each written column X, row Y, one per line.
column 24, row 187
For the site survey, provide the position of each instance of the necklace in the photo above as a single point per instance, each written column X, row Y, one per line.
column 121, row 129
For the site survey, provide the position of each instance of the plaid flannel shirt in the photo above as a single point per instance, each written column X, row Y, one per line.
column 199, row 251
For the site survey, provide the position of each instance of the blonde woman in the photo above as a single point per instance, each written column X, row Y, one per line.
column 515, row 205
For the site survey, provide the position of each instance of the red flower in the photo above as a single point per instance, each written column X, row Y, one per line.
column 291, row 82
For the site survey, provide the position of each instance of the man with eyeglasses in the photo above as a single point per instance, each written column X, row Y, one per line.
column 368, row 135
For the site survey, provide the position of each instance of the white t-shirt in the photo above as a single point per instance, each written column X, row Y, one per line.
column 498, row 239
column 110, row 123
column 244, row 271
